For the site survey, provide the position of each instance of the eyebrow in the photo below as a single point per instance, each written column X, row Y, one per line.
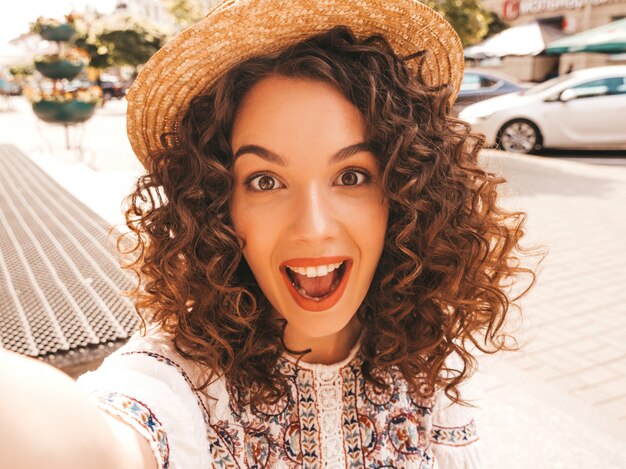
column 272, row 157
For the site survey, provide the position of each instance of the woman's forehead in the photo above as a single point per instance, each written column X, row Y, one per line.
column 287, row 115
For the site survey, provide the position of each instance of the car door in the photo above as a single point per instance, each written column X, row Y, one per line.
column 595, row 117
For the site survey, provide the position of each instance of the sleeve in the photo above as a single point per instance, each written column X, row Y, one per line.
column 454, row 437
column 154, row 398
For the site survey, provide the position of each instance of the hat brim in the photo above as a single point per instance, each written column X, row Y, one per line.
column 239, row 29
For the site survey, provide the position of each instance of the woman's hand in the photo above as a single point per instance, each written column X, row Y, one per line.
column 48, row 421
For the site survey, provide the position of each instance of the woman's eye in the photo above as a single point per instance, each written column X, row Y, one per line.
column 352, row 177
column 263, row 183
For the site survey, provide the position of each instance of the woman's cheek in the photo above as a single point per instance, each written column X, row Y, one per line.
column 369, row 212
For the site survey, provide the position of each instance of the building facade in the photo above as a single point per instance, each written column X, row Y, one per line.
column 571, row 17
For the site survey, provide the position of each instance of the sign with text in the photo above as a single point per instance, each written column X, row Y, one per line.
column 515, row 8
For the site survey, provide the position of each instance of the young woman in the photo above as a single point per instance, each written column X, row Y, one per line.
column 318, row 251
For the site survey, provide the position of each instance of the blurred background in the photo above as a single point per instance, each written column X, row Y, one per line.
column 545, row 83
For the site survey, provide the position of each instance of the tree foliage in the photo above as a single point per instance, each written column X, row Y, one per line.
column 131, row 42
column 185, row 12
column 99, row 53
column 468, row 17
column 496, row 26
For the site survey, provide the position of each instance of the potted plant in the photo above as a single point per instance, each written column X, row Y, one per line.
column 65, row 107
column 52, row 29
column 62, row 65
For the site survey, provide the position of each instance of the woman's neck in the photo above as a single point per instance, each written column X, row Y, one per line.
column 328, row 349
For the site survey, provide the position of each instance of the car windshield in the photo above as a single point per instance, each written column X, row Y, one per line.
column 545, row 85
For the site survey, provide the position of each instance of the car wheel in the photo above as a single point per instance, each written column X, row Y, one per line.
column 519, row 136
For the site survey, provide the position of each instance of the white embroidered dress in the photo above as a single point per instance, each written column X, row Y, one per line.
column 332, row 418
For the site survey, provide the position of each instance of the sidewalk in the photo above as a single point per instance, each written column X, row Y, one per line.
column 108, row 169
column 561, row 402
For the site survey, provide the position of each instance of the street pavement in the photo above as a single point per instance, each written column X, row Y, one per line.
column 562, row 399
column 101, row 175
column 560, row 402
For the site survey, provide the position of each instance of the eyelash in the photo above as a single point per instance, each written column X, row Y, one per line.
column 248, row 182
column 366, row 176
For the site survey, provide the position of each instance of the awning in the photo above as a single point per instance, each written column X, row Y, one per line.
column 610, row 39
column 526, row 39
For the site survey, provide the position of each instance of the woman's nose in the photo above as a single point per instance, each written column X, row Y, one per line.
column 315, row 217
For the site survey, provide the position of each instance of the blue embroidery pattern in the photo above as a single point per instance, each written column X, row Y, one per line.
column 309, row 425
column 138, row 415
column 455, row 436
column 223, row 443
column 351, row 422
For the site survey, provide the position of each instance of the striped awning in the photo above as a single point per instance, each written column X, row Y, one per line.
column 60, row 281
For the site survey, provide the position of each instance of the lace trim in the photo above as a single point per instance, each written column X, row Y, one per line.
column 328, row 384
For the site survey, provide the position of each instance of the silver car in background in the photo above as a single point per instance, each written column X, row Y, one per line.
column 585, row 109
column 478, row 85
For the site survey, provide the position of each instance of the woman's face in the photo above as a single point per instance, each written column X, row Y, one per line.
column 308, row 202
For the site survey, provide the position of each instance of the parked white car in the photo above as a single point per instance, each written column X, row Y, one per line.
column 585, row 109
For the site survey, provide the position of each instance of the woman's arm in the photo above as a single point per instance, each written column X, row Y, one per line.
column 48, row 421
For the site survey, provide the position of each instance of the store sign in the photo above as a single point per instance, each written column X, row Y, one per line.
column 515, row 8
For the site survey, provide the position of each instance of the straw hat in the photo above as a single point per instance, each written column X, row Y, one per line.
column 238, row 29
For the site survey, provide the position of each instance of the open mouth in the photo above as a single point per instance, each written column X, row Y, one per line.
column 317, row 288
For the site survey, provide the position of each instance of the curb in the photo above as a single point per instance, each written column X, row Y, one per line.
column 575, row 167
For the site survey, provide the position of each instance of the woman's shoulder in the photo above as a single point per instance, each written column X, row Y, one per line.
column 153, row 345
column 148, row 384
column 152, row 353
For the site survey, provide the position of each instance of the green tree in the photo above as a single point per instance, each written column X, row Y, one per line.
column 468, row 17
column 185, row 12
column 130, row 42
column 496, row 26
column 98, row 51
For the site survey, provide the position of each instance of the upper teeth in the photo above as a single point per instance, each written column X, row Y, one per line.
column 317, row 271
